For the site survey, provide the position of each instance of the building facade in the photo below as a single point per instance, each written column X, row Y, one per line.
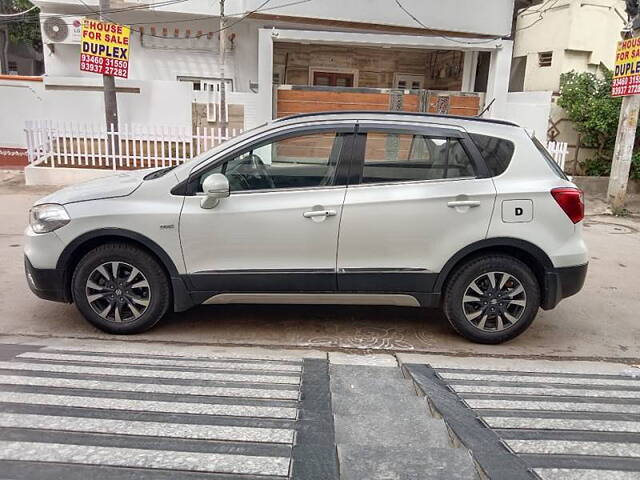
column 281, row 57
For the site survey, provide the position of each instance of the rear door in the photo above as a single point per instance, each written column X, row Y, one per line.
column 417, row 195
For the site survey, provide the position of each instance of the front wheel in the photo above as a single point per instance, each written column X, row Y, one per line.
column 120, row 289
column 492, row 299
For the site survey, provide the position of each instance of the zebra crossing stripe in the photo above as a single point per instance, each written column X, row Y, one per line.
column 134, row 372
column 150, row 429
column 569, row 447
column 496, row 404
column 536, row 423
column 178, row 362
column 140, row 458
column 628, row 382
column 128, row 386
column 546, row 391
column 583, row 474
column 148, row 406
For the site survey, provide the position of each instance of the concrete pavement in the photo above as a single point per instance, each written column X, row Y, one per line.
column 78, row 408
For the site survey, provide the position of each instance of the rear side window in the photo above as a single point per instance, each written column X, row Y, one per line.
column 406, row 157
column 497, row 152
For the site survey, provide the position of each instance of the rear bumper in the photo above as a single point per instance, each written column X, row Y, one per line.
column 46, row 283
column 561, row 283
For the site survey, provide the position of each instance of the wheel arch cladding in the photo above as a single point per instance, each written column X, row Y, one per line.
column 75, row 250
column 531, row 255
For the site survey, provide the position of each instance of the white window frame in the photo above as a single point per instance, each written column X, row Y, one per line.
column 409, row 78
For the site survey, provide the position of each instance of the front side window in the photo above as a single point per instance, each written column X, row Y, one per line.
column 302, row 161
column 400, row 157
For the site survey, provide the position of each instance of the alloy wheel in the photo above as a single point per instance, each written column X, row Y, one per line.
column 118, row 292
column 494, row 301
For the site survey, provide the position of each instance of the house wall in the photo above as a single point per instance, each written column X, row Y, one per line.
column 374, row 67
column 581, row 34
column 157, row 103
column 494, row 18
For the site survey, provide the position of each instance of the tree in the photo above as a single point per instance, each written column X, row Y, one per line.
column 23, row 29
column 587, row 99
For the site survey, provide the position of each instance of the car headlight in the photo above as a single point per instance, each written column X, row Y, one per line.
column 48, row 217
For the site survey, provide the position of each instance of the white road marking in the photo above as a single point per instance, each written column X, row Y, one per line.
column 148, row 405
column 178, row 362
column 563, row 424
column 152, row 429
column 568, row 447
column 141, row 458
column 512, row 377
column 135, row 372
column 127, row 386
column 553, row 406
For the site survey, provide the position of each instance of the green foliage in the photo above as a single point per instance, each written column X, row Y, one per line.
column 25, row 29
column 587, row 100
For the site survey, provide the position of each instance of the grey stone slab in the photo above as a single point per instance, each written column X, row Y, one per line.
column 391, row 430
column 148, row 406
column 563, row 424
column 139, row 458
column 547, row 390
column 565, row 447
column 357, row 379
column 584, row 474
column 149, row 387
column 514, row 377
column 496, row 404
column 136, row 372
column 150, row 429
column 177, row 362
column 378, row 404
column 404, row 463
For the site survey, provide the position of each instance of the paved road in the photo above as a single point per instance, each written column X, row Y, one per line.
column 601, row 321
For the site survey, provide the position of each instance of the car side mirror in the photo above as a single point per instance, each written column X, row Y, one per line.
column 215, row 187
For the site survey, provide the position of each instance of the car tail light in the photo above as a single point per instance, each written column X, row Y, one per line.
column 571, row 200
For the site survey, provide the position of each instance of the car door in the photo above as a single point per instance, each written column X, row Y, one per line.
column 278, row 229
column 420, row 194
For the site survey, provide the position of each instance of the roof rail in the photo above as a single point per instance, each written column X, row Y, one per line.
column 390, row 112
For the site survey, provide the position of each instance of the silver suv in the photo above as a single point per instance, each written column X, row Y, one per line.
column 339, row 208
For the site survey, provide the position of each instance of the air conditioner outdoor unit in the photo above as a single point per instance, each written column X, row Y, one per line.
column 60, row 29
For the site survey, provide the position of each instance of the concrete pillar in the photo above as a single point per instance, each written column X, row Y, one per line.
column 498, row 83
column 265, row 76
column 469, row 71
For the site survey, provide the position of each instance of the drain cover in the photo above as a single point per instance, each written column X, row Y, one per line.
column 610, row 228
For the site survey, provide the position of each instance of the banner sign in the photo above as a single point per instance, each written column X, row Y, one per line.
column 104, row 48
column 626, row 75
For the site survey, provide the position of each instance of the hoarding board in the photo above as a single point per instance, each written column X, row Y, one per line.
column 104, row 48
column 626, row 74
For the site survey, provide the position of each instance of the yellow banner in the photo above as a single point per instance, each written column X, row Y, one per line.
column 104, row 39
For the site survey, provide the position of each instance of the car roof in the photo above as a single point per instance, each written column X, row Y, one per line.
column 387, row 115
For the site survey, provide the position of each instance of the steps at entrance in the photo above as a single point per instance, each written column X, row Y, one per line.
column 384, row 430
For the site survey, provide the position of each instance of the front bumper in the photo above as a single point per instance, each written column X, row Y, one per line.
column 561, row 283
column 46, row 283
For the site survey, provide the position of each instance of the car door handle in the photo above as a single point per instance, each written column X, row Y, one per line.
column 319, row 213
column 464, row 203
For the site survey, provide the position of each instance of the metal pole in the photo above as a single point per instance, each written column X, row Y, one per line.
column 110, row 101
column 223, row 87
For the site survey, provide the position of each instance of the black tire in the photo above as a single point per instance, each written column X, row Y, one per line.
column 156, row 293
column 494, row 299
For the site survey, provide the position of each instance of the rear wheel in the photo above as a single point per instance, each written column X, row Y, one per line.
column 120, row 289
column 492, row 299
